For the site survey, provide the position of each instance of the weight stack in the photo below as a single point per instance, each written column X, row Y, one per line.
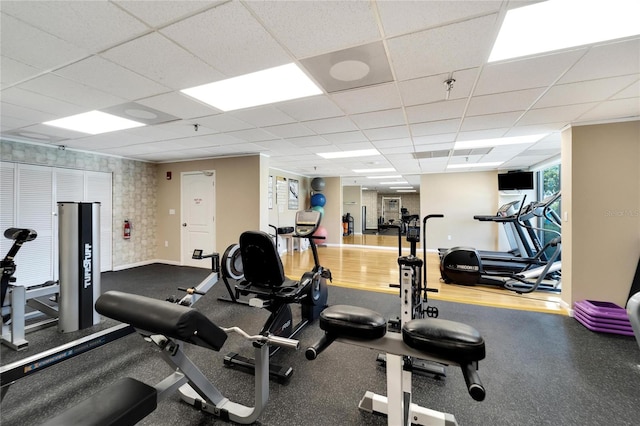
column 79, row 265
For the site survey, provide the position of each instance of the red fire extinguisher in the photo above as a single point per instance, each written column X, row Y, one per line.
column 127, row 230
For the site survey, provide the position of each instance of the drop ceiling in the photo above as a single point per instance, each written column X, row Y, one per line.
column 60, row 58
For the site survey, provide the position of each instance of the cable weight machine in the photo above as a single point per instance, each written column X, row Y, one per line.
column 413, row 290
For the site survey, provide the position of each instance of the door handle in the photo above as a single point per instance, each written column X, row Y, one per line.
column 184, row 224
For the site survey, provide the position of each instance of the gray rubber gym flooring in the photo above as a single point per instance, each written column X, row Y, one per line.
column 540, row 369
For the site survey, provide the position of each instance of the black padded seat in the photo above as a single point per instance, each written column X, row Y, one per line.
column 451, row 340
column 263, row 270
column 353, row 321
column 161, row 317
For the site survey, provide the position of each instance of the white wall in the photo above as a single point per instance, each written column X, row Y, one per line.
column 460, row 196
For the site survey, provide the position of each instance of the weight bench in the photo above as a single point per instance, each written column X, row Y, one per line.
column 442, row 341
column 169, row 326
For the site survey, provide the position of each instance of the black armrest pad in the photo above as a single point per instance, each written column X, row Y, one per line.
column 126, row 402
column 161, row 317
column 353, row 321
column 450, row 340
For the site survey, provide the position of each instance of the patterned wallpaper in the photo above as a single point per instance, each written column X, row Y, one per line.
column 134, row 193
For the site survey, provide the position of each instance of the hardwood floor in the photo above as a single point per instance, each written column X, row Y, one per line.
column 363, row 262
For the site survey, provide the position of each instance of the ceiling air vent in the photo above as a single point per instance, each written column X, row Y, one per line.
column 470, row 152
column 431, row 154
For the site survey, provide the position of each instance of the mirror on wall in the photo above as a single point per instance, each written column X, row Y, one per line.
column 371, row 217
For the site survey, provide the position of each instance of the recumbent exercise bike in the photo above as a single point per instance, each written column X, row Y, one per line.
column 267, row 286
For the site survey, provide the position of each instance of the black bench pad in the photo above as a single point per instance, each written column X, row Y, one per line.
column 126, row 402
column 452, row 340
column 161, row 317
column 353, row 321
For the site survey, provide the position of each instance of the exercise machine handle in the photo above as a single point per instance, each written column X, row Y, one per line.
column 283, row 342
column 472, row 379
column 314, row 350
column 268, row 339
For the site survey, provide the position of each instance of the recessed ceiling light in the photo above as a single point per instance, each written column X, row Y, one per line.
column 349, row 154
column 484, row 143
column 406, row 190
column 398, row 182
column 381, row 170
column 384, row 177
column 474, row 165
column 560, row 24
column 401, row 187
column 94, row 122
column 276, row 84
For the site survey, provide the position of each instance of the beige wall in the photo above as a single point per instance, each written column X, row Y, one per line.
column 460, row 196
column 332, row 219
column 237, row 201
column 601, row 200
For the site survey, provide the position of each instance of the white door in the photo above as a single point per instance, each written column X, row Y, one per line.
column 197, row 217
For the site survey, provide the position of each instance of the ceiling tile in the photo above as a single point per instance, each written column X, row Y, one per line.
column 629, row 107
column 252, row 135
column 394, row 132
column 331, row 125
column 436, row 111
column 411, row 16
column 297, row 24
column 433, row 88
column 480, row 134
column 162, row 12
column 107, row 76
column 372, row 120
column 12, row 71
column 312, row 108
column 490, row 121
column 309, row 141
column 35, row 101
column 346, row 137
column 563, row 113
column 608, row 60
column 91, row 25
column 376, row 98
column 443, row 49
column 31, row 46
column 57, row 87
column 251, row 48
column 503, row 102
column 633, row 91
column 163, row 61
column 263, row 116
column 435, row 127
column 289, row 130
column 585, row 91
column 526, row 73
column 224, row 123
column 179, row 105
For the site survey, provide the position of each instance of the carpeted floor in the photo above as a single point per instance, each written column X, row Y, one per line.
column 541, row 369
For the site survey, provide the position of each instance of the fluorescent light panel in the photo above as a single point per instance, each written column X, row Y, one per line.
column 349, row 154
column 394, row 183
column 94, row 122
column 406, row 190
column 276, row 84
column 401, row 187
column 474, row 165
column 484, row 143
column 381, row 170
column 384, row 177
column 560, row 24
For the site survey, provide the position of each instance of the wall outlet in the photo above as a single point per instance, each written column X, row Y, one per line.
column 166, row 243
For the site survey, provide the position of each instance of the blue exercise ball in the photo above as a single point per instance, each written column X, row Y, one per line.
column 318, row 200
column 317, row 184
